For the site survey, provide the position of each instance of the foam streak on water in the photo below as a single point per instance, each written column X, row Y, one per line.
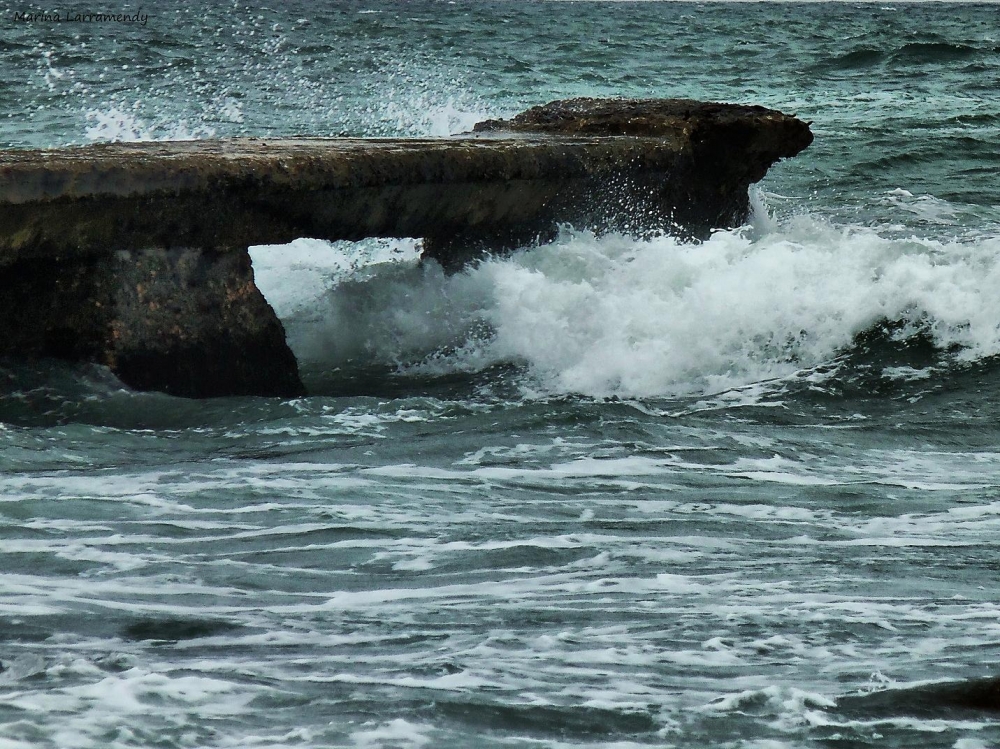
column 661, row 593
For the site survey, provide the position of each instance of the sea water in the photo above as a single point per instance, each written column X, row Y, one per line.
column 607, row 491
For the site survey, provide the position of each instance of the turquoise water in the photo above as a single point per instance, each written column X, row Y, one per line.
column 604, row 492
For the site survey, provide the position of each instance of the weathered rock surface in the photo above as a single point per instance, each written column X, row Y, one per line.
column 185, row 322
column 135, row 255
column 721, row 149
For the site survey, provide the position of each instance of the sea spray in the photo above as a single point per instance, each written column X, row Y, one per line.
column 619, row 316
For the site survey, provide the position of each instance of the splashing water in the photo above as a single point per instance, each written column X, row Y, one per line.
column 613, row 315
column 116, row 124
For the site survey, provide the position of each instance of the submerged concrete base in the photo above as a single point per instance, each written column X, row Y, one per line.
column 134, row 255
column 182, row 321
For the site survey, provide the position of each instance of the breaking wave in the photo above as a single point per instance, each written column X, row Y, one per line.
column 617, row 316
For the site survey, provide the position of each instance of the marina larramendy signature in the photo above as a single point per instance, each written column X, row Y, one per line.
column 138, row 17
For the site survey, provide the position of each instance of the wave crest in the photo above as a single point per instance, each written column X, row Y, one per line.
column 617, row 316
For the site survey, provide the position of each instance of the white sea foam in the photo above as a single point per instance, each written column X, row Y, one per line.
column 431, row 115
column 397, row 733
column 616, row 316
column 126, row 124
column 297, row 274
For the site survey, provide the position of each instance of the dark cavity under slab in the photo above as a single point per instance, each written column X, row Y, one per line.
column 135, row 255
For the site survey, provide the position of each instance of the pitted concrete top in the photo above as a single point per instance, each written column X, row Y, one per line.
column 685, row 163
column 568, row 138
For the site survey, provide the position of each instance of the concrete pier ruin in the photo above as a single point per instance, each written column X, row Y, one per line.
column 134, row 255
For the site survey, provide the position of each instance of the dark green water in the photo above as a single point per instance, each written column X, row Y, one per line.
column 606, row 492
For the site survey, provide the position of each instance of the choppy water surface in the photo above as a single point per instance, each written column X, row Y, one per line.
column 605, row 492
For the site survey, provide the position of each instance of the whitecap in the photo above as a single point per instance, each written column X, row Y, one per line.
column 733, row 317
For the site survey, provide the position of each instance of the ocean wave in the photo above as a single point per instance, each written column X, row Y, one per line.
column 860, row 58
column 918, row 52
column 914, row 53
column 617, row 316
